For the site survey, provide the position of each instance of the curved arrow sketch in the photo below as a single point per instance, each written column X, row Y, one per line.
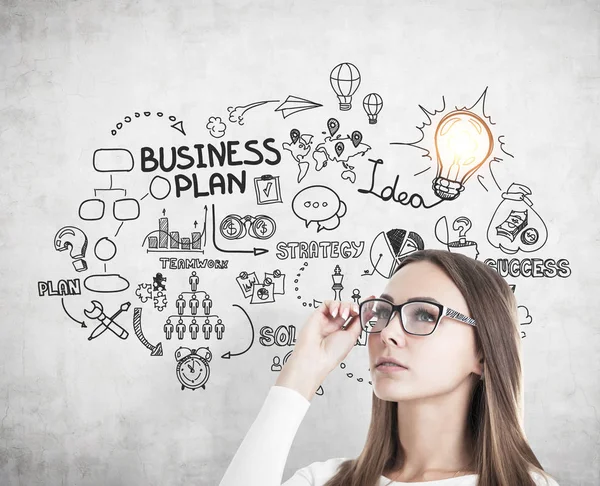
column 229, row 354
column 62, row 301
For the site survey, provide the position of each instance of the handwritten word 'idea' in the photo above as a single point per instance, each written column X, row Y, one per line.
column 319, row 249
column 391, row 192
column 202, row 156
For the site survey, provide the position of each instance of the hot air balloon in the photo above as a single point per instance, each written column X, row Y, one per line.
column 345, row 80
column 372, row 105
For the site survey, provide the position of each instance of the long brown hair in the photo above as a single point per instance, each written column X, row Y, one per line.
column 495, row 416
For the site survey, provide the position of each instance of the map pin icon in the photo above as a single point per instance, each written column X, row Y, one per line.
column 339, row 148
column 356, row 138
column 333, row 125
column 295, row 135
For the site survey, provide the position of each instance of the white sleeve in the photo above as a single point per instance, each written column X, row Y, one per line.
column 261, row 457
column 541, row 480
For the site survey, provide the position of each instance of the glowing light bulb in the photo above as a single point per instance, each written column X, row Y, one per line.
column 463, row 142
column 345, row 80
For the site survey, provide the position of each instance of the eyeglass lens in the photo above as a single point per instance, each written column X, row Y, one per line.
column 418, row 317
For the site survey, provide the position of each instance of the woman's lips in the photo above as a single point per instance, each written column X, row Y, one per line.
column 390, row 368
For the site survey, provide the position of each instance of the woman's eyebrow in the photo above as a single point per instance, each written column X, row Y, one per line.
column 412, row 299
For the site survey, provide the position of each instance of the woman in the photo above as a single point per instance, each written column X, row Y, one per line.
column 451, row 415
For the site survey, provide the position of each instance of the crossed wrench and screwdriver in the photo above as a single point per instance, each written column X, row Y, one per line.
column 97, row 312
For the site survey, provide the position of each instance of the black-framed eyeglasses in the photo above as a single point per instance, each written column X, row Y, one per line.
column 417, row 317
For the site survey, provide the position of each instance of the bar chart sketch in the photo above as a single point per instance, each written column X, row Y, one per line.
column 165, row 240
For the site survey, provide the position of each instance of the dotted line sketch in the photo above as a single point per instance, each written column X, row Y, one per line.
column 515, row 225
column 389, row 248
column 229, row 354
column 261, row 293
column 137, row 328
column 177, row 125
column 319, row 204
column 255, row 251
column 75, row 240
column 462, row 142
column 97, row 312
column 337, row 277
column 167, row 241
column 192, row 367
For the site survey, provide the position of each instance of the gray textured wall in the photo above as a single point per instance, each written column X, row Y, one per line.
column 106, row 412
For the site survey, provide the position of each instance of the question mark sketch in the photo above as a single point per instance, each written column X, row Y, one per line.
column 72, row 238
column 462, row 224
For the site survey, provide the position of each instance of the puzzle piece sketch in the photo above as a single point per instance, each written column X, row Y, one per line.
column 144, row 292
column 160, row 301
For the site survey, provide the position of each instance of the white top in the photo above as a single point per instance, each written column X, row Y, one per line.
column 261, row 457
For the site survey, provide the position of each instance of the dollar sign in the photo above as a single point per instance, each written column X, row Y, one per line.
column 230, row 228
column 263, row 228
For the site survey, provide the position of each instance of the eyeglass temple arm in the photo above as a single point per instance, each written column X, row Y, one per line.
column 459, row 317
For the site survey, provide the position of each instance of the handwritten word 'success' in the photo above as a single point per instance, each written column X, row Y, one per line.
column 185, row 263
column 530, row 267
column 390, row 192
column 319, row 249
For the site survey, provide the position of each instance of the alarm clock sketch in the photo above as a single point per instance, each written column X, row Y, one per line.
column 192, row 367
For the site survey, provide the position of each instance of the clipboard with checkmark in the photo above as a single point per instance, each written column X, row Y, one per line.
column 267, row 189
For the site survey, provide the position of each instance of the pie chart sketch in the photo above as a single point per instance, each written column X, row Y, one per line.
column 390, row 248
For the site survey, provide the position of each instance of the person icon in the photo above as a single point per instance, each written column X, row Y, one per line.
column 194, row 303
column 276, row 366
column 194, row 281
column 194, row 328
column 207, row 329
column 180, row 303
column 219, row 328
column 180, row 329
column 206, row 304
column 168, row 328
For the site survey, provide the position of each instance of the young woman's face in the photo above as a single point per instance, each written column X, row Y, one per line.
column 437, row 363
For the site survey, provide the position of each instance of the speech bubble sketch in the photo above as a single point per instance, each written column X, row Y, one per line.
column 321, row 205
column 515, row 225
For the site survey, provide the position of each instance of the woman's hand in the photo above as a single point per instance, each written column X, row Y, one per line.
column 321, row 346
